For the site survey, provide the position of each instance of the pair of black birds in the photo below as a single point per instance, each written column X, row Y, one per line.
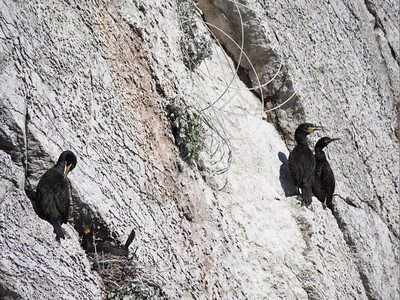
column 312, row 173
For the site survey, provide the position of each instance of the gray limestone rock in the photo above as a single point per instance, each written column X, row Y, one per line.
column 95, row 78
column 343, row 62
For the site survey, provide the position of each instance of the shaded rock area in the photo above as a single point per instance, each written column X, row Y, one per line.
column 97, row 77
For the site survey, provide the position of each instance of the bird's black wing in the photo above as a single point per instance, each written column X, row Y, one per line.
column 63, row 201
column 328, row 179
column 302, row 166
column 47, row 191
column 318, row 185
column 53, row 199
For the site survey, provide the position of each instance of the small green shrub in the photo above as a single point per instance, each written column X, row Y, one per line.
column 187, row 129
column 135, row 291
column 195, row 45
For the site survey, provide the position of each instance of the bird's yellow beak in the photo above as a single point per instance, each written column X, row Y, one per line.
column 315, row 128
column 330, row 140
column 86, row 230
column 66, row 172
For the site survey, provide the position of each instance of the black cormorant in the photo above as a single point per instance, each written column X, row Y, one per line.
column 52, row 193
column 105, row 245
column 87, row 240
column 302, row 162
column 324, row 182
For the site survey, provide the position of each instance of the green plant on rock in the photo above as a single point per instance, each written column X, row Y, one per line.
column 195, row 45
column 187, row 129
column 135, row 291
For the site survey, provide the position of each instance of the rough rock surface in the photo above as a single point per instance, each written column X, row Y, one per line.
column 95, row 78
column 342, row 61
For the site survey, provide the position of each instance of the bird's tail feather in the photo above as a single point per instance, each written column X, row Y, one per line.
column 58, row 230
column 307, row 195
column 130, row 239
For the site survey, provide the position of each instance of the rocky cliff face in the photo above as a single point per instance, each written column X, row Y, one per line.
column 97, row 78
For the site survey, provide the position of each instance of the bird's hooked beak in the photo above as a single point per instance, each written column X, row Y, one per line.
column 331, row 140
column 67, row 170
column 315, row 128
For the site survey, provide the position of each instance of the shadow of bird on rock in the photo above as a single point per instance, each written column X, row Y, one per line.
column 284, row 177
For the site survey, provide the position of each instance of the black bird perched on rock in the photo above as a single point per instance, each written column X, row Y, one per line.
column 302, row 162
column 87, row 240
column 52, row 193
column 324, row 182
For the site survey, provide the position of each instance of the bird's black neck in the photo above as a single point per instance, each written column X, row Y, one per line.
column 319, row 154
column 60, row 167
column 301, row 137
